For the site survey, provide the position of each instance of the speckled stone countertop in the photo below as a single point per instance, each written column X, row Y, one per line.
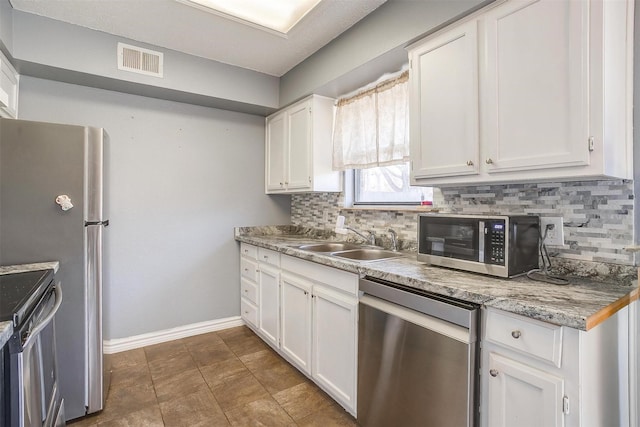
column 6, row 328
column 582, row 304
column 21, row 268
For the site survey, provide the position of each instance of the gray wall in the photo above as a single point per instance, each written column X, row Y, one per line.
column 182, row 177
column 52, row 49
column 372, row 47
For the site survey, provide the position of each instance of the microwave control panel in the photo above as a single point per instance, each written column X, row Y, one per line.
column 495, row 237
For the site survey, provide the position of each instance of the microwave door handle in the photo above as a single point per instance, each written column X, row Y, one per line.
column 43, row 324
column 481, row 232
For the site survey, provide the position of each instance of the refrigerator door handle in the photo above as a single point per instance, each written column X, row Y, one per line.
column 94, row 363
column 103, row 223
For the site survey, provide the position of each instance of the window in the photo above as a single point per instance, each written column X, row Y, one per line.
column 371, row 136
column 388, row 185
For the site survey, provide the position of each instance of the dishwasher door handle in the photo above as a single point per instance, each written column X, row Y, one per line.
column 450, row 330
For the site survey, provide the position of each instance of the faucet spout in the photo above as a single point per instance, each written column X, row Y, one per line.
column 394, row 239
column 371, row 238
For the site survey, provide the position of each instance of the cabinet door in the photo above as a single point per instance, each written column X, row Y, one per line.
column 535, row 85
column 295, row 340
column 334, row 344
column 299, row 156
column 444, row 104
column 522, row 396
column 8, row 89
column 269, row 307
column 275, row 150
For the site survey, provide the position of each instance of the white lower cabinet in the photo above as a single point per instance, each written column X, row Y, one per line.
column 249, row 291
column 269, row 306
column 537, row 374
column 308, row 313
column 523, row 396
column 334, row 343
column 295, row 303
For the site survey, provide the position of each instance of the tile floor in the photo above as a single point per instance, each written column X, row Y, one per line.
column 225, row 378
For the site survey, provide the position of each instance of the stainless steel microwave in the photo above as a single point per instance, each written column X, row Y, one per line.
column 503, row 246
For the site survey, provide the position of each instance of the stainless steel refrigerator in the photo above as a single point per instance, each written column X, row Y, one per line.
column 52, row 208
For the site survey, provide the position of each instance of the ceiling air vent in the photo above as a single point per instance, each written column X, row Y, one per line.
column 139, row 60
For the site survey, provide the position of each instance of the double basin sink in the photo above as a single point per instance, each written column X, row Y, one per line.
column 351, row 251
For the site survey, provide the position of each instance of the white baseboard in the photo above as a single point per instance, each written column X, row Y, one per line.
column 137, row 341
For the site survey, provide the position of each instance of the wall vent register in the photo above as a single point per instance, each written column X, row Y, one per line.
column 139, row 60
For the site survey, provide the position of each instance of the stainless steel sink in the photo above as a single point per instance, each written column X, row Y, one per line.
column 329, row 247
column 367, row 254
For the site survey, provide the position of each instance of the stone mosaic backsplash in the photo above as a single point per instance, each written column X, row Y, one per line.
column 598, row 215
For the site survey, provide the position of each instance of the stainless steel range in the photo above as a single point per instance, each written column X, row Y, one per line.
column 31, row 300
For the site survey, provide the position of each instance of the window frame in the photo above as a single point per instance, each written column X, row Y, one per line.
column 355, row 187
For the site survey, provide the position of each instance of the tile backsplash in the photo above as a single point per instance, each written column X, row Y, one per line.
column 598, row 215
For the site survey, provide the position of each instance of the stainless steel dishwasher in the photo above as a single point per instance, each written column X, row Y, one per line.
column 417, row 358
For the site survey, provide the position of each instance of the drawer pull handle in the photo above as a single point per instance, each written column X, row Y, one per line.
column 493, row 372
column 516, row 334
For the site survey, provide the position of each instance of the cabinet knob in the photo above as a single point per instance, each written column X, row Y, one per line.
column 493, row 372
column 246, row 291
column 286, row 183
column 469, row 162
column 246, row 269
column 265, row 257
column 488, row 161
column 281, row 184
column 516, row 334
column 306, row 293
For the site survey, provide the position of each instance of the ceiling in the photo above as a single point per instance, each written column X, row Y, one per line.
column 174, row 25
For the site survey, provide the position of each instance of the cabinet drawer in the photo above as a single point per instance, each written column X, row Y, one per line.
column 249, row 290
column 534, row 338
column 248, row 251
column 249, row 312
column 269, row 257
column 249, row 269
column 329, row 276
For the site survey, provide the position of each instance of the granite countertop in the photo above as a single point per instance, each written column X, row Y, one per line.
column 21, row 268
column 6, row 328
column 582, row 304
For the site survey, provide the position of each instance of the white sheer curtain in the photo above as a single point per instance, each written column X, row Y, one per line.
column 372, row 126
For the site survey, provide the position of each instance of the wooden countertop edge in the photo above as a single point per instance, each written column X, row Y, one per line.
column 602, row 315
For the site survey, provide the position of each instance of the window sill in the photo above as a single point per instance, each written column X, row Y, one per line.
column 396, row 208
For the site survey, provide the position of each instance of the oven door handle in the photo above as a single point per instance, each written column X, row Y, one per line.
column 43, row 324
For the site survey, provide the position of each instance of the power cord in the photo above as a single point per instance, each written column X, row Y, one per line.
column 543, row 274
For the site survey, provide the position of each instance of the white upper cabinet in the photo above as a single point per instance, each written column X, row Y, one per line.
column 444, row 110
column 298, row 148
column 542, row 93
column 535, row 95
column 8, row 89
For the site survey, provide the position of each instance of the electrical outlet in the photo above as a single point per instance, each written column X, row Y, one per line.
column 554, row 229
